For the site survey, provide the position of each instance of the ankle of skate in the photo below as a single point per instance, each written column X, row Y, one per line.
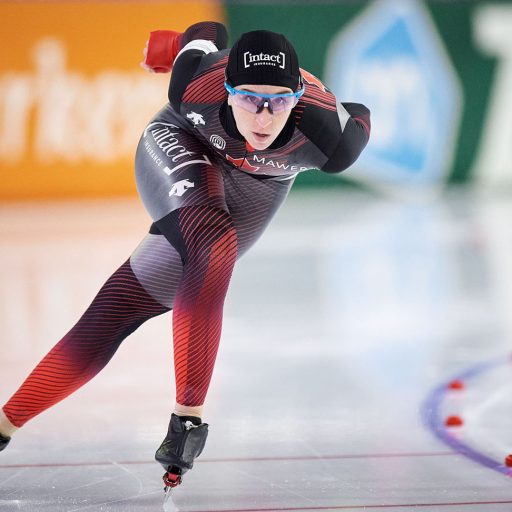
column 184, row 443
column 4, row 441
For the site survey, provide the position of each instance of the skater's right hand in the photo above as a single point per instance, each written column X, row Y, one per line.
column 160, row 51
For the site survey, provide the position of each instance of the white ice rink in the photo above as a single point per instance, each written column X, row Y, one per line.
column 341, row 328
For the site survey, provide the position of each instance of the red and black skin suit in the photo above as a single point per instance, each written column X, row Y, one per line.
column 210, row 196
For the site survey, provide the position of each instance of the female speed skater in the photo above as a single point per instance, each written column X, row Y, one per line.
column 212, row 168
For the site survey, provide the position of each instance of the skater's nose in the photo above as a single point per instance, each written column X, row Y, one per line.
column 264, row 118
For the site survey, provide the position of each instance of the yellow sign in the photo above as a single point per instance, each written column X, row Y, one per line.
column 73, row 99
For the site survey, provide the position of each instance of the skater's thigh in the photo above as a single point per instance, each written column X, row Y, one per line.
column 252, row 203
column 174, row 169
column 158, row 267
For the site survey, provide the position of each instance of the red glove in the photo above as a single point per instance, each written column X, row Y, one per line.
column 161, row 50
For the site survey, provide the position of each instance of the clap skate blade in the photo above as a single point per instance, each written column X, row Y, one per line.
column 172, row 479
column 169, row 505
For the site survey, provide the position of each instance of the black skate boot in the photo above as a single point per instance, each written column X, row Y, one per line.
column 4, row 441
column 184, row 442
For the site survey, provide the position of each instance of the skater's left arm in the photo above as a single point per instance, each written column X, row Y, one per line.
column 350, row 136
column 339, row 130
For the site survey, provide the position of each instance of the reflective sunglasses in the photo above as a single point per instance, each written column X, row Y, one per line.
column 255, row 102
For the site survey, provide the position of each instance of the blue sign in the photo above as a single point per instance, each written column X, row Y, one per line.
column 391, row 59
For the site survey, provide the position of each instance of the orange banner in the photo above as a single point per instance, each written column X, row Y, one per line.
column 73, row 99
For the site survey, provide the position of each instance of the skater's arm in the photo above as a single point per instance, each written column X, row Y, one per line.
column 352, row 136
column 164, row 46
column 339, row 130
column 208, row 31
column 199, row 40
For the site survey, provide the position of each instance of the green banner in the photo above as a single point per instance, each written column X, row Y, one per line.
column 432, row 73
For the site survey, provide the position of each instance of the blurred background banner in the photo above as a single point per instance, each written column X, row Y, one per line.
column 73, row 99
column 436, row 75
column 391, row 57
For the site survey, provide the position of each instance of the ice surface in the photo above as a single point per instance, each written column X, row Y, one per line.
column 338, row 324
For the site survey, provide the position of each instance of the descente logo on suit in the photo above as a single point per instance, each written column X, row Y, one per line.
column 264, row 59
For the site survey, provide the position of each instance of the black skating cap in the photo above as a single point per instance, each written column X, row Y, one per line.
column 262, row 57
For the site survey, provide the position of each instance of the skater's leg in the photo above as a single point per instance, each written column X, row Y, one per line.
column 196, row 223
column 206, row 240
column 195, row 411
column 252, row 204
column 120, row 306
column 158, row 267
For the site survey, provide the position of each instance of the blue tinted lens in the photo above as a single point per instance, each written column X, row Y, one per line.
column 255, row 103
column 280, row 104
